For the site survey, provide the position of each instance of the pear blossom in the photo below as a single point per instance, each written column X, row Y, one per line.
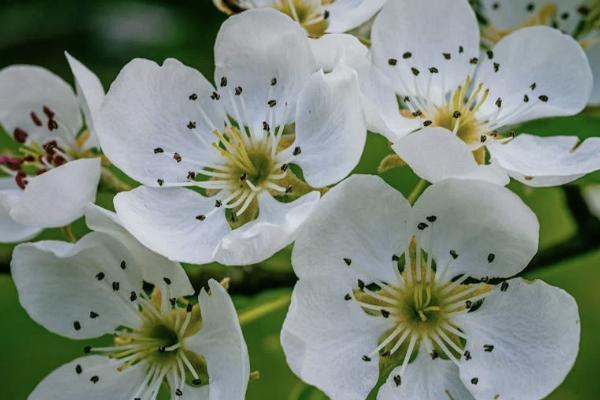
column 458, row 105
column 238, row 145
column 501, row 18
column 317, row 17
column 410, row 297
column 95, row 287
column 52, row 171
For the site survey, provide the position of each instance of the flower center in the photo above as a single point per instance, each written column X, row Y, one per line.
column 422, row 304
column 310, row 15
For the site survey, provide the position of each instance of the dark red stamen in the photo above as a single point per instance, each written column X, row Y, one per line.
column 20, row 135
column 36, row 120
column 11, row 163
column 21, row 180
column 58, row 160
column 49, row 113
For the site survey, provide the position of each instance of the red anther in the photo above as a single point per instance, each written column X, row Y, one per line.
column 49, row 113
column 52, row 125
column 20, row 135
column 29, row 158
column 11, row 163
column 58, row 160
column 40, row 171
column 36, row 120
column 21, row 180
column 50, row 147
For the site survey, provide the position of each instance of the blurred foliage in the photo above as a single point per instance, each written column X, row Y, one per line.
column 105, row 35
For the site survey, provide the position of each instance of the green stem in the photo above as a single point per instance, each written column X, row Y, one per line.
column 68, row 232
column 253, row 314
column 112, row 182
column 414, row 195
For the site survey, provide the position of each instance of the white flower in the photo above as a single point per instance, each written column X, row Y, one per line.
column 315, row 16
column 95, row 287
column 501, row 18
column 168, row 127
column 53, row 174
column 442, row 82
column 362, row 310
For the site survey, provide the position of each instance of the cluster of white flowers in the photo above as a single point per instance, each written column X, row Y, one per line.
column 408, row 301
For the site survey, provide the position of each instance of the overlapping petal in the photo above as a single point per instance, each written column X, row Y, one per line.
column 11, row 231
column 345, row 15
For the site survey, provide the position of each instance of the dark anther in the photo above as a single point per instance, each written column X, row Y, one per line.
column 284, row 167
column 474, row 381
column 193, row 97
column 526, row 99
column 93, row 315
column 427, row 123
column 496, row 67
column 483, row 138
column 395, row 258
column 191, row 175
column 488, row 347
column 533, row 86
column 406, row 99
column 361, row 285
column 456, row 114
column 407, row 55
column 544, row 98
column 454, row 254
column 238, row 90
column 76, row 325
column 20, row 135
column 158, row 150
column 434, row 354
column 385, row 314
column 347, row 297
column 392, row 61
column 52, row 125
column 504, row 286
column 431, row 218
column 415, row 71
column 272, row 103
column 215, row 96
column 123, row 265
column 467, row 355
column 78, row 369
column 223, row 81
column 447, row 56
column 583, row 10
column 178, row 392
column 197, row 382
column 87, row 349
column 266, row 126
column 490, row 54
column 218, row 203
column 36, row 120
column 530, row 7
column 173, row 302
column 273, row 81
column 177, row 157
column 115, row 286
column 397, row 380
column 434, row 70
column 499, row 102
column 348, row 261
column 49, row 113
column 94, row 379
column 243, row 176
column 189, row 308
column 133, row 296
column 201, row 217
column 496, row 6
column 461, row 49
column 491, row 257
column 366, row 358
column 160, row 182
column 297, row 150
column 167, row 280
column 326, row 14
column 422, row 226
column 468, row 304
column 474, row 60
column 417, row 113
column 100, row 276
column 191, row 125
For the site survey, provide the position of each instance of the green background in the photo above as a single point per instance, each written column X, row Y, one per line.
column 105, row 35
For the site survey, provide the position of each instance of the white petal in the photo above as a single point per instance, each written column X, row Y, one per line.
column 345, row 15
column 435, row 154
column 59, row 285
column 154, row 267
column 66, row 384
column 330, row 128
column 330, row 50
column 59, row 196
column 425, row 379
column 11, row 231
column 422, row 29
column 490, row 229
column 145, row 116
column 523, row 59
column 534, row 329
column 324, row 338
column 276, row 227
column 165, row 221
column 26, row 89
column 252, row 49
column 593, row 54
column 363, row 220
column 90, row 93
column 222, row 344
column 547, row 161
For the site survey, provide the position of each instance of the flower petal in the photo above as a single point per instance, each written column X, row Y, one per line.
column 533, row 82
column 592, row 198
column 593, row 54
column 169, row 222
column 276, row 227
column 155, row 268
column 66, row 383
column 478, row 229
column 90, row 94
column 361, row 222
column 78, row 290
column 534, row 330
column 330, row 50
column 345, row 15
column 425, row 379
column 222, row 344
column 24, row 92
column 267, row 55
column 325, row 337
column 410, row 37
column 59, row 196
column 11, row 231
column 435, row 154
column 330, row 128
column 153, row 113
column 547, row 161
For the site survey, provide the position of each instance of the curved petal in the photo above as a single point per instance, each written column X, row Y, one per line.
column 222, row 344
column 325, row 337
column 11, row 231
column 435, row 154
column 70, row 288
column 547, row 161
column 425, row 379
column 593, row 54
column 363, row 222
column 154, row 267
column 330, row 50
column 152, row 113
column 90, row 94
column 168, row 222
column 531, row 81
column 59, row 196
column 29, row 96
column 276, row 227
column 330, row 128
column 410, row 37
column 489, row 229
column 267, row 55
column 345, row 15
column 534, row 330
